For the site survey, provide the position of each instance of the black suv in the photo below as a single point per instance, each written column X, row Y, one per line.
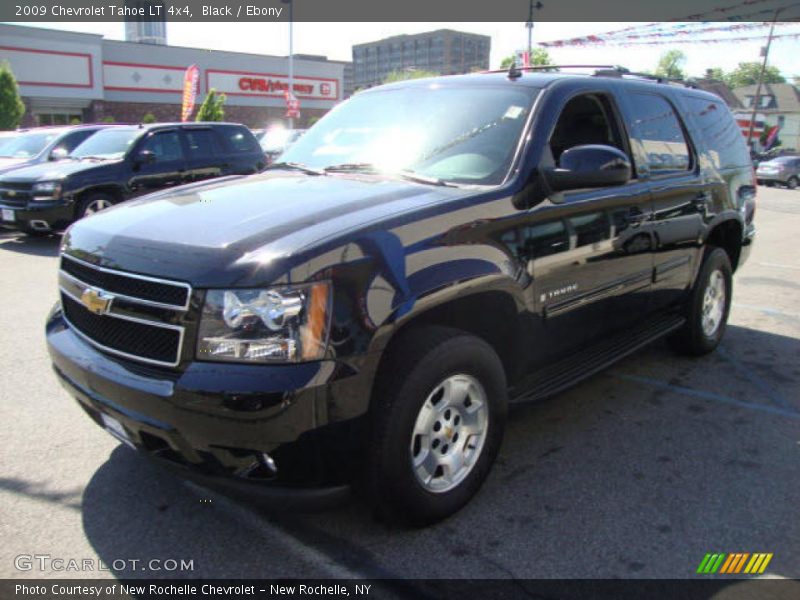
column 364, row 310
column 121, row 162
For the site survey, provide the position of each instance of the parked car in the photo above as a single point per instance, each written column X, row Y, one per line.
column 783, row 170
column 42, row 144
column 276, row 140
column 122, row 162
column 364, row 311
column 6, row 137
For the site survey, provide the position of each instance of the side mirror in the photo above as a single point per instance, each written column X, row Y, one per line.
column 588, row 166
column 58, row 153
column 146, row 157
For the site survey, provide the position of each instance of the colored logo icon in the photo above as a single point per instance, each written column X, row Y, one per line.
column 731, row 564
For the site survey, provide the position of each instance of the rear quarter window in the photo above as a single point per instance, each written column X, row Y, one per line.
column 718, row 132
column 237, row 140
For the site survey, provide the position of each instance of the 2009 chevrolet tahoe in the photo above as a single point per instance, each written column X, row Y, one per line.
column 362, row 312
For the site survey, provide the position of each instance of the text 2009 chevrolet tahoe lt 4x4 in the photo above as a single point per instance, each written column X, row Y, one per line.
column 362, row 312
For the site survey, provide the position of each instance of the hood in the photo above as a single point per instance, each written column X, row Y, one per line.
column 51, row 170
column 8, row 164
column 242, row 230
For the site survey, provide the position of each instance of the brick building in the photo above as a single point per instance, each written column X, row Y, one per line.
column 65, row 76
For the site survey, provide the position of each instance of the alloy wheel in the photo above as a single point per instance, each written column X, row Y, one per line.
column 449, row 433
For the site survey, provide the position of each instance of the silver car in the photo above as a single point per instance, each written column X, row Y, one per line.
column 783, row 170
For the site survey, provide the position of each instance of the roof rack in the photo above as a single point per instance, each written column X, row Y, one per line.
column 515, row 71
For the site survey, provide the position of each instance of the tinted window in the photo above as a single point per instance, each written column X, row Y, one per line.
column 238, row 139
column 202, row 143
column 166, row 146
column 719, row 131
column 661, row 134
column 591, row 228
column 74, row 139
column 545, row 239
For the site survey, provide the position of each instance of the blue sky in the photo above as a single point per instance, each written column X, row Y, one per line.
column 335, row 40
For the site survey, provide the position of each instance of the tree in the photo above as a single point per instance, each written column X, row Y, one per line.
column 212, row 108
column 408, row 74
column 716, row 73
column 747, row 74
column 149, row 118
column 670, row 65
column 11, row 106
column 539, row 58
column 109, row 119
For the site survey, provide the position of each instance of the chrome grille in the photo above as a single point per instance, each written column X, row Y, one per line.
column 125, row 314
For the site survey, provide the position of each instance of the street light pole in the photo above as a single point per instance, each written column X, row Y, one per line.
column 291, row 59
column 757, row 95
column 529, row 26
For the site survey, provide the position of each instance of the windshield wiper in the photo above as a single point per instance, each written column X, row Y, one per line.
column 362, row 167
column 293, row 166
column 412, row 176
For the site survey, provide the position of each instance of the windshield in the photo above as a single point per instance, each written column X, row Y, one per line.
column 26, row 145
column 275, row 140
column 107, row 144
column 450, row 133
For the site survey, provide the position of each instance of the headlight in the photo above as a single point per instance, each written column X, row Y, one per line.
column 48, row 189
column 282, row 324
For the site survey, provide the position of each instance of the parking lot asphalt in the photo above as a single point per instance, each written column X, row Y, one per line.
column 637, row 472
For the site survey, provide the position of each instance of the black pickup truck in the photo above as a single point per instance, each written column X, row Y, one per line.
column 361, row 314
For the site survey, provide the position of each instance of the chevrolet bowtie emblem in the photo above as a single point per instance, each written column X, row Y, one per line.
column 96, row 301
column 11, row 193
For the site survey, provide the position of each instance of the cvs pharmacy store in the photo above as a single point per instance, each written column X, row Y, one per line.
column 65, row 76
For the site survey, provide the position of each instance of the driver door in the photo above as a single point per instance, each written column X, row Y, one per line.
column 589, row 251
column 168, row 166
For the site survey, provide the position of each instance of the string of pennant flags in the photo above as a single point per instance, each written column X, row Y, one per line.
column 671, row 34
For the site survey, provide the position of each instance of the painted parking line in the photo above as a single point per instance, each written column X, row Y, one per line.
column 768, row 310
column 767, row 408
column 779, row 266
column 754, row 378
column 253, row 522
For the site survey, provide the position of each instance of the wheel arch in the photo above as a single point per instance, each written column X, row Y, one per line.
column 493, row 313
column 727, row 234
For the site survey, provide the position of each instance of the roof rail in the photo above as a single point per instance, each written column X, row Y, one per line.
column 599, row 71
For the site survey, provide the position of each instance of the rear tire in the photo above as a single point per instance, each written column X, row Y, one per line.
column 792, row 183
column 708, row 308
column 438, row 416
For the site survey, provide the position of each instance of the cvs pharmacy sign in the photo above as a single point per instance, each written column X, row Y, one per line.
column 237, row 83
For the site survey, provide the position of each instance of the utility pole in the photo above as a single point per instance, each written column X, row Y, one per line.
column 757, row 95
column 291, row 61
column 529, row 26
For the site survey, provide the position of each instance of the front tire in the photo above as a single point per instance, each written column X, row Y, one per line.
column 438, row 417
column 708, row 308
column 792, row 183
column 94, row 203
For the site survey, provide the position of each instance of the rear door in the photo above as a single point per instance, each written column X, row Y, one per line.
column 206, row 158
column 681, row 195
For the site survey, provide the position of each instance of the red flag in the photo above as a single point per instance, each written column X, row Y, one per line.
column 190, row 81
column 292, row 105
column 772, row 136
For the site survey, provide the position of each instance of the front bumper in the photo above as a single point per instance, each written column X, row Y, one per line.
column 212, row 422
column 58, row 214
